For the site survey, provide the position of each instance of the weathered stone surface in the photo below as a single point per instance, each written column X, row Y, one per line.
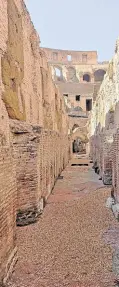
column 34, row 143
column 115, row 209
column 107, row 178
column 13, row 65
column 110, row 201
column 103, row 126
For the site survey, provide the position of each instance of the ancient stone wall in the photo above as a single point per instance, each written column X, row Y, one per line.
column 34, row 143
column 77, row 122
column 40, row 157
column 67, row 56
column 8, row 199
column 78, row 75
column 104, row 123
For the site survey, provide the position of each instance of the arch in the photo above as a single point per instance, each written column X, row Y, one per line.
column 78, row 146
column 71, row 75
column 75, row 126
column 86, row 78
column 58, row 73
column 78, row 109
column 99, row 75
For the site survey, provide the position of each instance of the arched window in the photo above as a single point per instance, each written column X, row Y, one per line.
column 78, row 109
column 99, row 75
column 58, row 73
column 86, row 78
column 75, row 126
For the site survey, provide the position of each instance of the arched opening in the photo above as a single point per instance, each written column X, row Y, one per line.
column 86, row 78
column 78, row 146
column 71, row 76
column 75, row 126
column 78, row 109
column 58, row 74
column 99, row 75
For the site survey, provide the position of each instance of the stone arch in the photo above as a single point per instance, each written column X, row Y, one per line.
column 58, row 73
column 75, row 126
column 78, row 109
column 78, row 145
column 71, row 74
column 79, row 140
column 86, row 77
column 99, row 75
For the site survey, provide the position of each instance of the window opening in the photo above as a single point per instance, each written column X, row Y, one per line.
column 86, row 78
column 88, row 105
column 69, row 58
column 78, row 98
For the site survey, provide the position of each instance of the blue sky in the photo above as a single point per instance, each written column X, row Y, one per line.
column 77, row 24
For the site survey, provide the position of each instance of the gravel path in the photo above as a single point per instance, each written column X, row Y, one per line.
column 66, row 247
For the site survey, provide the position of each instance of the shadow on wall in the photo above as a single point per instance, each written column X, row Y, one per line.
column 99, row 75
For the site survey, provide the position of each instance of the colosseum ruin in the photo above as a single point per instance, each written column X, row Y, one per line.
column 59, row 168
column 78, row 75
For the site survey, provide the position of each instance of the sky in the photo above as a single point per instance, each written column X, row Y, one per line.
column 80, row 25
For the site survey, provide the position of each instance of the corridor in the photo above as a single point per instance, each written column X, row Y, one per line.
column 67, row 246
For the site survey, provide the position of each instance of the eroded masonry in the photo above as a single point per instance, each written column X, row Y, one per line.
column 53, row 103
column 34, row 142
column 78, row 76
column 104, row 127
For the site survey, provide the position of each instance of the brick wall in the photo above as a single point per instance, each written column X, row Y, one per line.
column 76, row 56
column 115, row 165
column 104, row 124
column 7, row 212
column 34, row 144
column 106, row 153
column 40, row 156
column 79, row 121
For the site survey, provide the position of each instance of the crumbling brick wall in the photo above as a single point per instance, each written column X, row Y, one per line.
column 107, row 141
column 77, row 121
column 8, row 190
column 40, row 156
column 115, row 165
column 34, row 140
column 104, row 124
column 8, row 199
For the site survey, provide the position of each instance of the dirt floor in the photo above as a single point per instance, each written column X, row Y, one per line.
column 70, row 245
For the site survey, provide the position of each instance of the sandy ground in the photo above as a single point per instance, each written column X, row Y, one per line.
column 68, row 245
